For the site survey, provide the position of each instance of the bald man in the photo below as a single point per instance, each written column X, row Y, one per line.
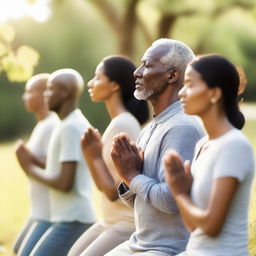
column 37, row 144
column 66, row 174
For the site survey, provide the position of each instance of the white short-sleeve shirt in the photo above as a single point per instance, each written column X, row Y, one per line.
column 64, row 146
column 38, row 144
column 227, row 156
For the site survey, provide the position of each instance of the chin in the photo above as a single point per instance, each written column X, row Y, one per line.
column 53, row 108
column 95, row 99
column 186, row 110
column 142, row 95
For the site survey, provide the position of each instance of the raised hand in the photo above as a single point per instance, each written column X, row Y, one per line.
column 127, row 157
column 91, row 143
column 177, row 174
column 25, row 158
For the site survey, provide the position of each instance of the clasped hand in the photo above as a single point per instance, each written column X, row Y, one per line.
column 25, row 158
column 177, row 174
column 91, row 143
column 127, row 157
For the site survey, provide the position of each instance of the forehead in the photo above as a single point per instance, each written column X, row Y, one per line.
column 54, row 82
column 154, row 53
column 99, row 68
column 34, row 86
column 191, row 73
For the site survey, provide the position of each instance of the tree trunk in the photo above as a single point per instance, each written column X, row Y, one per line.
column 165, row 25
column 126, row 38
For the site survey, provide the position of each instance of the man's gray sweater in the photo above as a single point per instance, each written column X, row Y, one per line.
column 158, row 223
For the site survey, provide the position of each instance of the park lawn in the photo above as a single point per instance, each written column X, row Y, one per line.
column 15, row 202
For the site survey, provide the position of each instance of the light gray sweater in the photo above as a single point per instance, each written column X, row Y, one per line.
column 158, row 223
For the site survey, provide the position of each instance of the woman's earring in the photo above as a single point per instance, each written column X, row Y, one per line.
column 213, row 101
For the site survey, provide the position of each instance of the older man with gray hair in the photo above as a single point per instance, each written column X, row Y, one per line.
column 159, row 227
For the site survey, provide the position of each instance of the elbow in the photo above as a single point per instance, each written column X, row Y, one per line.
column 65, row 187
column 112, row 195
column 212, row 230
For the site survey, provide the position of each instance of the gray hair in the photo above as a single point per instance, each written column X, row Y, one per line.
column 178, row 54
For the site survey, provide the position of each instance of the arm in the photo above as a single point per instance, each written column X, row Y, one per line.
column 92, row 151
column 210, row 219
column 155, row 190
column 38, row 162
column 126, row 195
column 63, row 181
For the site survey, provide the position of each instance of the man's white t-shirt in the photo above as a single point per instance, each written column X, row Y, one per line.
column 227, row 156
column 38, row 144
column 116, row 214
column 64, row 146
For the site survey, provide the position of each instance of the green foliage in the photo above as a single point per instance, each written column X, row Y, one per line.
column 18, row 64
column 78, row 36
column 64, row 41
column 180, row 6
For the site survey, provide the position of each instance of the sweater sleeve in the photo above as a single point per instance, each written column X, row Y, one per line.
column 155, row 191
column 126, row 195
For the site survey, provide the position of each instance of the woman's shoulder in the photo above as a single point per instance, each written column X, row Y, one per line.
column 124, row 119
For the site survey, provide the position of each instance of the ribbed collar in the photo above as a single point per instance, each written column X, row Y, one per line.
column 168, row 112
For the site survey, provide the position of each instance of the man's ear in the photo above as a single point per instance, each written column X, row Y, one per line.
column 65, row 92
column 173, row 76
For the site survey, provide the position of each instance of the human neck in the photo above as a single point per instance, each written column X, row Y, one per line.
column 164, row 100
column 115, row 106
column 42, row 114
column 66, row 109
column 216, row 124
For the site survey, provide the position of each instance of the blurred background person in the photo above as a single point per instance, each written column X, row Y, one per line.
column 214, row 203
column 37, row 144
column 67, row 174
column 113, row 84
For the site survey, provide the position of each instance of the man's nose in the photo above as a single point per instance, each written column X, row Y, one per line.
column 137, row 73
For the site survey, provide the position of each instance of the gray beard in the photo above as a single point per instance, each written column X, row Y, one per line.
column 143, row 95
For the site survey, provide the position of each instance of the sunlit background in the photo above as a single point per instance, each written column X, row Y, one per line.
column 15, row 9
column 44, row 35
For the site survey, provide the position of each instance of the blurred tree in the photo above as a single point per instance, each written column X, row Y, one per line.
column 125, row 16
column 77, row 35
column 19, row 63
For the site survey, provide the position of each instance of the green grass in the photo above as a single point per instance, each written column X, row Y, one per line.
column 14, row 200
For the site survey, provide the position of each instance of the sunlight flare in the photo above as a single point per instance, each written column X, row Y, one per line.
column 14, row 9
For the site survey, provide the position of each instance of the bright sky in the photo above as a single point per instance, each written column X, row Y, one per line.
column 13, row 9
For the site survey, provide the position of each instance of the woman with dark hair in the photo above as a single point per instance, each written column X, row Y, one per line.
column 113, row 84
column 214, row 199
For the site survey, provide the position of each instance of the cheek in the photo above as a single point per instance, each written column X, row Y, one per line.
column 101, row 91
column 198, row 102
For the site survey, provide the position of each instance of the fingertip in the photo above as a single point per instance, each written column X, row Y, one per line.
column 187, row 162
